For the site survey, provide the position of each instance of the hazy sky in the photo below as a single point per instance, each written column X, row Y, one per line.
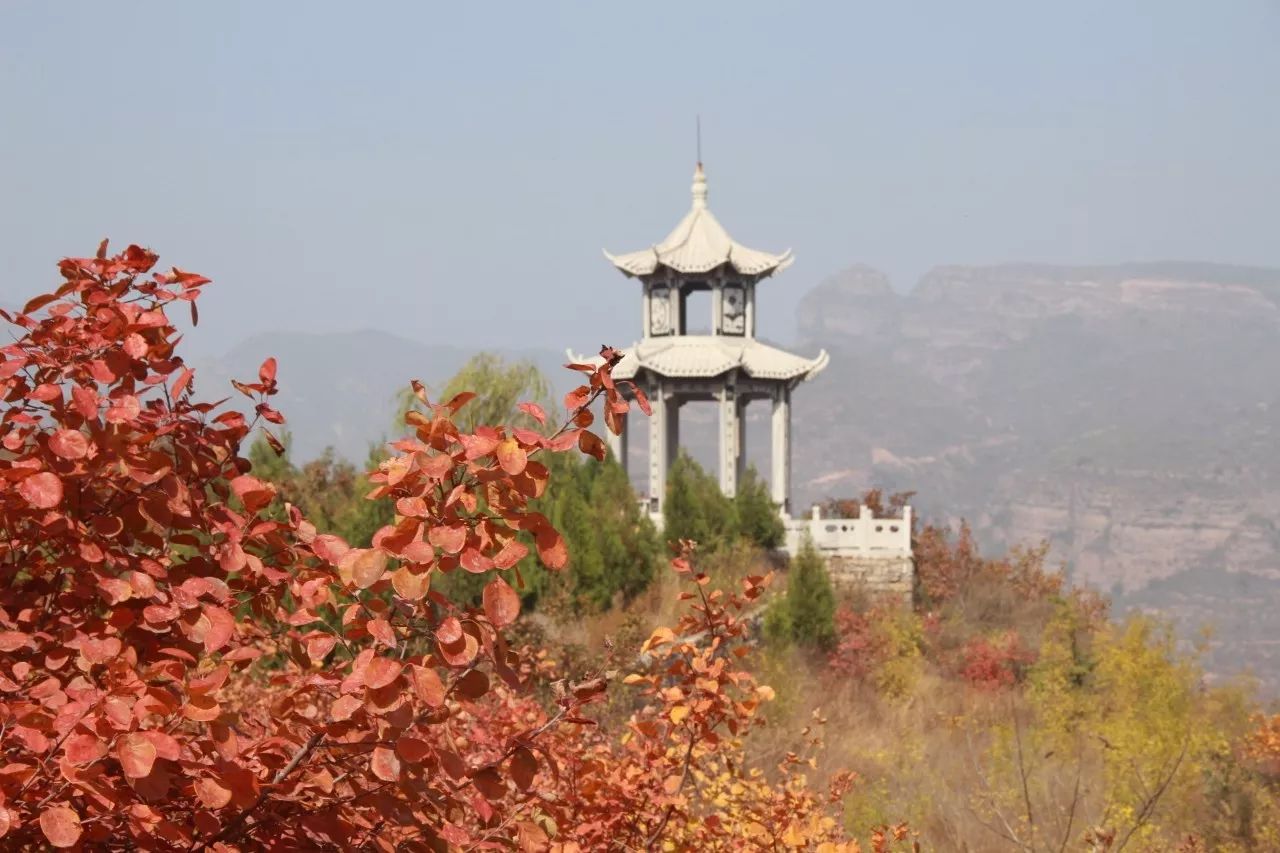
column 451, row 171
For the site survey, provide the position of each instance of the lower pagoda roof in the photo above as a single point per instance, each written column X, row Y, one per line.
column 708, row 356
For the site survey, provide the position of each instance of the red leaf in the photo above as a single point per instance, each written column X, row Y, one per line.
column 202, row 708
column 474, row 561
column 42, row 491
column 524, row 766
column 478, row 445
column 84, row 747
column 412, row 749
column 85, row 401
column 473, row 684
column 134, row 345
column 11, row 641
column 184, row 379
column 61, row 825
column 382, row 631
column 501, row 603
column 591, row 444
column 384, row 764
column 222, row 625
column 382, row 671
column 511, row 553
column 551, row 547
column 450, row 631
column 534, row 411
column 427, row 685
column 577, row 398
column 564, row 440
column 69, row 444
column 363, row 567
column 267, row 372
column 489, row 783
column 448, row 538
column 642, row 400
column 137, row 755
column 123, row 409
column 329, row 548
column 212, row 793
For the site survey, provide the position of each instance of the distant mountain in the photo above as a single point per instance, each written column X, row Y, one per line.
column 1129, row 414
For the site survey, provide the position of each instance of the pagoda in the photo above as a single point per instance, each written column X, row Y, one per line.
column 725, row 363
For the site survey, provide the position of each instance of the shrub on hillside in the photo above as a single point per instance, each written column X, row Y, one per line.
column 806, row 614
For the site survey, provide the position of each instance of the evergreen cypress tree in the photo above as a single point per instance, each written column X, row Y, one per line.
column 758, row 517
column 807, row 615
column 696, row 508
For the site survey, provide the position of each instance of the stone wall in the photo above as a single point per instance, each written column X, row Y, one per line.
column 870, row 552
column 883, row 574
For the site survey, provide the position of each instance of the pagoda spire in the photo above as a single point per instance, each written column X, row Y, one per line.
column 699, row 188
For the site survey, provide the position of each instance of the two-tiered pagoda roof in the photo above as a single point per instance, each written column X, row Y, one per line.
column 699, row 243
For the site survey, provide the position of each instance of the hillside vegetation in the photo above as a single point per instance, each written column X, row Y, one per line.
column 1003, row 708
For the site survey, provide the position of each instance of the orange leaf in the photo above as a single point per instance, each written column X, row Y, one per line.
column 137, row 755
column 412, row 749
column 410, row 585
column 501, row 604
column 383, row 632
column 222, row 626
column 367, row 566
column 448, row 538
column 534, row 411
column 511, row 456
column 343, row 707
column 212, row 793
column 659, row 636
column 61, row 825
column 384, row 764
column 69, row 444
column 381, row 671
column 83, row 748
column 427, row 685
column 551, row 547
column 450, row 630
column 202, row 708
column 42, row 491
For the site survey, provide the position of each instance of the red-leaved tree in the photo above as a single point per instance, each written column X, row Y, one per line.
column 182, row 670
column 185, row 668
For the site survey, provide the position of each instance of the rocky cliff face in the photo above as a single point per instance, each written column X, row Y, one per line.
column 1130, row 415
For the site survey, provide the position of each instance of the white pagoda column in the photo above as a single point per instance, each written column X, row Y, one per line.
column 673, row 403
column 657, row 449
column 780, row 475
column 730, row 441
column 742, row 439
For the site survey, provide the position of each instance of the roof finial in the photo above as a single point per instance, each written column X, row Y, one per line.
column 698, row 120
column 699, row 179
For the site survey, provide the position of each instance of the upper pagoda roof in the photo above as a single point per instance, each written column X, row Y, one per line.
column 700, row 244
column 708, row 356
